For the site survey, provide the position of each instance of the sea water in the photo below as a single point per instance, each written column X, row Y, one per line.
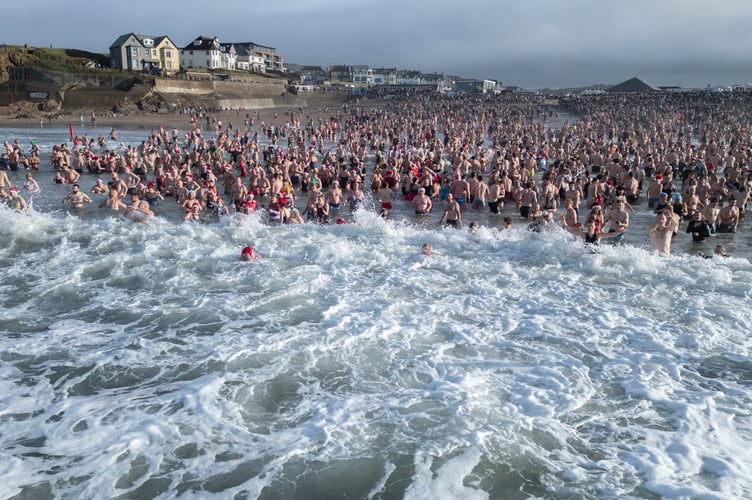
column 147, row 360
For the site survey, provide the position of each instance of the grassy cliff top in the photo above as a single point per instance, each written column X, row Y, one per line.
column 53, row 59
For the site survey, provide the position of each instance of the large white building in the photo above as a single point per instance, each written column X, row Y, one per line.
column 207, row 52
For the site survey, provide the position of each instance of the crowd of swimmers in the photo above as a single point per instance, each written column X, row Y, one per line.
column 683, row 157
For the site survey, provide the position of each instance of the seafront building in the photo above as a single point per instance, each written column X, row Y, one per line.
column 249, row 60
column 207, row 52
column 158, row 55
column 151, row 54
column 273, row 60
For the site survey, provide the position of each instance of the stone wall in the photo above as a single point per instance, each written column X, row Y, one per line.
column 248, row 89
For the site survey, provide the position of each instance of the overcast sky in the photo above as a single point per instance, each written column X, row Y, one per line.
column 533, row 43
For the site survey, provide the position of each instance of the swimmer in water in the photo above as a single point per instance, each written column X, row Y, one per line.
column 249, row 254
column 590, row 235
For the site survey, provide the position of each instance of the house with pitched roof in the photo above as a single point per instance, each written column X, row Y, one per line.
column 207, row 52
column 273, row 60
column 362, row 73
column 249, row 60
column 340, row 73
column 384, row 76
column 152, row 54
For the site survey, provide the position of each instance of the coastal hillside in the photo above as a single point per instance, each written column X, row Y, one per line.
column 38, row 82
column 49, row 59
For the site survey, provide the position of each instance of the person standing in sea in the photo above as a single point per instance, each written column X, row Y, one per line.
column 661, row 233
column 728, row 217
column 76, row 198
column 4, row 180
column 591, row 235
column 452, row 215
column 15, row 200
column 698, row 227
column 422, row 202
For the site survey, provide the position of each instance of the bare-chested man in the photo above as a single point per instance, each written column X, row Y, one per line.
column 99, row 187
column 480, row 194
column 69, row 175
column 527, row 198
column 138, row 210
column 4, row 180
column 710, row 213
column 385, row 196
column 334, row 196
column 76, row 197
column 660, row 234
column 570, row 214
column 238, row 192
column 618, row 218
column 118, row 185
column 460, row 190
column 495, row 196
column 452, row 212
column 422, row 202
column 728, row 217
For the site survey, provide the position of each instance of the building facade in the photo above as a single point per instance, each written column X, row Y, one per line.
column 384, row 76
column 340, row 73
column 207, row 52
column 156, row 55
column 362, row 73
column 248, row 60
column 273, row 60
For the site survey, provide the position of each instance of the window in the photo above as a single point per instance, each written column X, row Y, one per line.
column 168, row 53
column 168, row 64
column 134, row 51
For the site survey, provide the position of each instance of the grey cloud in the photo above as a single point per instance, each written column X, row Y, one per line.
column 535, row 43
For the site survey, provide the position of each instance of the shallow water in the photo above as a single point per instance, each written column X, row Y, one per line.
column 145, row 360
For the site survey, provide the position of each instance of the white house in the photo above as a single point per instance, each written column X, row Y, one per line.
column 384, row 76
column 206, row 52
column 362, row 73
column 249, row 60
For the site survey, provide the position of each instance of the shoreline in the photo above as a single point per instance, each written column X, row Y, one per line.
column 137, row 120
column 148, row 121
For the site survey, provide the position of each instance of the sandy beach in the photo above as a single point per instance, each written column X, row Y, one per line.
column 321, row 108
column 147, row 121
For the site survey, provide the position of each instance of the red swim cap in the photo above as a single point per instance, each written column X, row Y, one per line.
column 247, row 250
column 340, row 221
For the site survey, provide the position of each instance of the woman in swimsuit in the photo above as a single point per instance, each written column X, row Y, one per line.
column 112, row 201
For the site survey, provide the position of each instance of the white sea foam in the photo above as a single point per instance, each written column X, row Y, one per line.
column 147, row 360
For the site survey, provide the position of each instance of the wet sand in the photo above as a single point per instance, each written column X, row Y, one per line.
column 147, row 121
column 320, row 108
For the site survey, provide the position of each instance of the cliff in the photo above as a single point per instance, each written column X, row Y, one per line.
column 64, row 93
